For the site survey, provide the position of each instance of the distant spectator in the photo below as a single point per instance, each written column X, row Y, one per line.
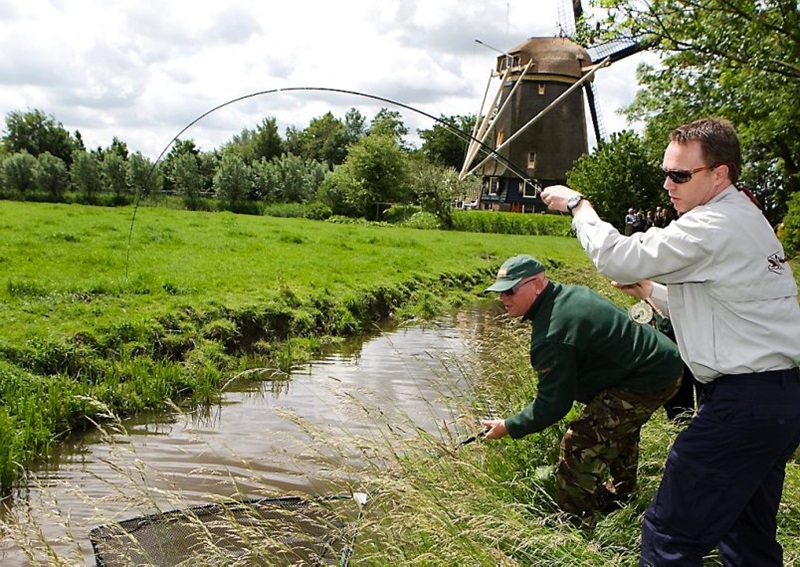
column 630, row 219
column 661, row 219
column 638, row 223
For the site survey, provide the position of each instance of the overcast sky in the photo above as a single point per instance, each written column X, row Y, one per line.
column 143, row 70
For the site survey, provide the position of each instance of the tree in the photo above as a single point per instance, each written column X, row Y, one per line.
column 436, row 187
column 36, row 133
column 734, row 58
column 142, row 176
column 267, row 143
column 444, row 146
column 184, row 176
column 288, row 179
column 52, row 176
column 389, row 123
column 617, row 176
column 19, row 172
column 324, row 140
column 354, row 126
column 253, row 145
column 119, row 148
column 114, row 173
column 233, row 181
column 85, row 175
column 376, row 171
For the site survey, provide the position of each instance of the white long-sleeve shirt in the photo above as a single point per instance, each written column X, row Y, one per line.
column 727, row 287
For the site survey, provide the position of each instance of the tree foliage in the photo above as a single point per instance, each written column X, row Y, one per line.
column 114, row 171
column 734, row 58
column 288, row 179
column 389, row 123
column 253, row 145
column 233, row 181
column 52, row 176
column 18, row 172
column 436, row 187
column 444, row 146
column 184, row 176
column 325, row 140
column 376, row 172
column 618, row 175
column 790, row 237
column 86, row 175
column 143, row 177
column 35, row 132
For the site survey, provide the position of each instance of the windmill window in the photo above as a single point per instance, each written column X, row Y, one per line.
column 532, row 160
column 494, row 185
column 541, row 89
column 529, row 190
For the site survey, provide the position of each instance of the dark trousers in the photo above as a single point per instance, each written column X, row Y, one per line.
column 724, row 475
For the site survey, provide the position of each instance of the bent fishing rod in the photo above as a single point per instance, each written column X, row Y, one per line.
column 454, row 129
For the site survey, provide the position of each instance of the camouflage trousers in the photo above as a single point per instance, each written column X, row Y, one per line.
column 600, row 450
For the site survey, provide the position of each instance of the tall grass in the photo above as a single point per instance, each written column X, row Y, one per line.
column 492, row 503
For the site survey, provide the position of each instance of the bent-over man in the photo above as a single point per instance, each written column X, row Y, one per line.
column 585, row 348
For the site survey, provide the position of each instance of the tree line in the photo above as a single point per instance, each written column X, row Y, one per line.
column 337, row 166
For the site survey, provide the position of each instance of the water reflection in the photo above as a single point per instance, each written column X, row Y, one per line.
column 270, row 437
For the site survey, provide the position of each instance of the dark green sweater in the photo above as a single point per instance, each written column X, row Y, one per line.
column 581, row 344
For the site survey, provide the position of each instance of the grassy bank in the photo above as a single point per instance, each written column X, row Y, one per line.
column 193, row 298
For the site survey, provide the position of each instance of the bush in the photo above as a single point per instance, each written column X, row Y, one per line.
column 512, row 223
column 422, row 220
column 317, row 211
column 399, row 213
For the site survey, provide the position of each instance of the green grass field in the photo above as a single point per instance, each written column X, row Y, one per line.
column 64, row 268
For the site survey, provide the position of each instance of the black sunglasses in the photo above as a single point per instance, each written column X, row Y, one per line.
column 681, row 176
column 516, row 288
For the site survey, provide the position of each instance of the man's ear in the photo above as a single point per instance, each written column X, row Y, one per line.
column 722, row 173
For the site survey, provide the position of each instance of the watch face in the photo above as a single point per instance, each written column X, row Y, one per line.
column 573, row 202
column 640, row 313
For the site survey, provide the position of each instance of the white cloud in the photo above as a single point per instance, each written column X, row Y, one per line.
column 141, row 71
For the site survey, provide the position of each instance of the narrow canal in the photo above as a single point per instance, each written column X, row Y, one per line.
column 265, row 438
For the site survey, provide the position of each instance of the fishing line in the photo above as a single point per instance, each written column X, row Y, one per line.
column 463, row 135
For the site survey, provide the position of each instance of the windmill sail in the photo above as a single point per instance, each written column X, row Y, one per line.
column 615, row 49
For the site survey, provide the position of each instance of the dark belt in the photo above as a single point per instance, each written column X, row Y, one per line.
column 766, row 377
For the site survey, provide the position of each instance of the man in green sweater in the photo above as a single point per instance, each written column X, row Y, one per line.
column 586, row 349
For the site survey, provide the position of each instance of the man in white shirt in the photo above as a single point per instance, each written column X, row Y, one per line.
column 721, row 276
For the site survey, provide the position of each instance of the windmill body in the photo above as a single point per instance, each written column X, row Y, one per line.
column 540, row 72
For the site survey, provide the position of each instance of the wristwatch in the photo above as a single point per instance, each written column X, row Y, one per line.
column 574, row 202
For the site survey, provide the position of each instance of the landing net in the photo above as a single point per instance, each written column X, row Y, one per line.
column 264, row 531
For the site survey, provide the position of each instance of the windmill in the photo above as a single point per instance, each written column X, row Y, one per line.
column 535, row 119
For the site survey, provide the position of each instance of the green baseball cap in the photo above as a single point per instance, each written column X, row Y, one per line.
column 514, row 270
